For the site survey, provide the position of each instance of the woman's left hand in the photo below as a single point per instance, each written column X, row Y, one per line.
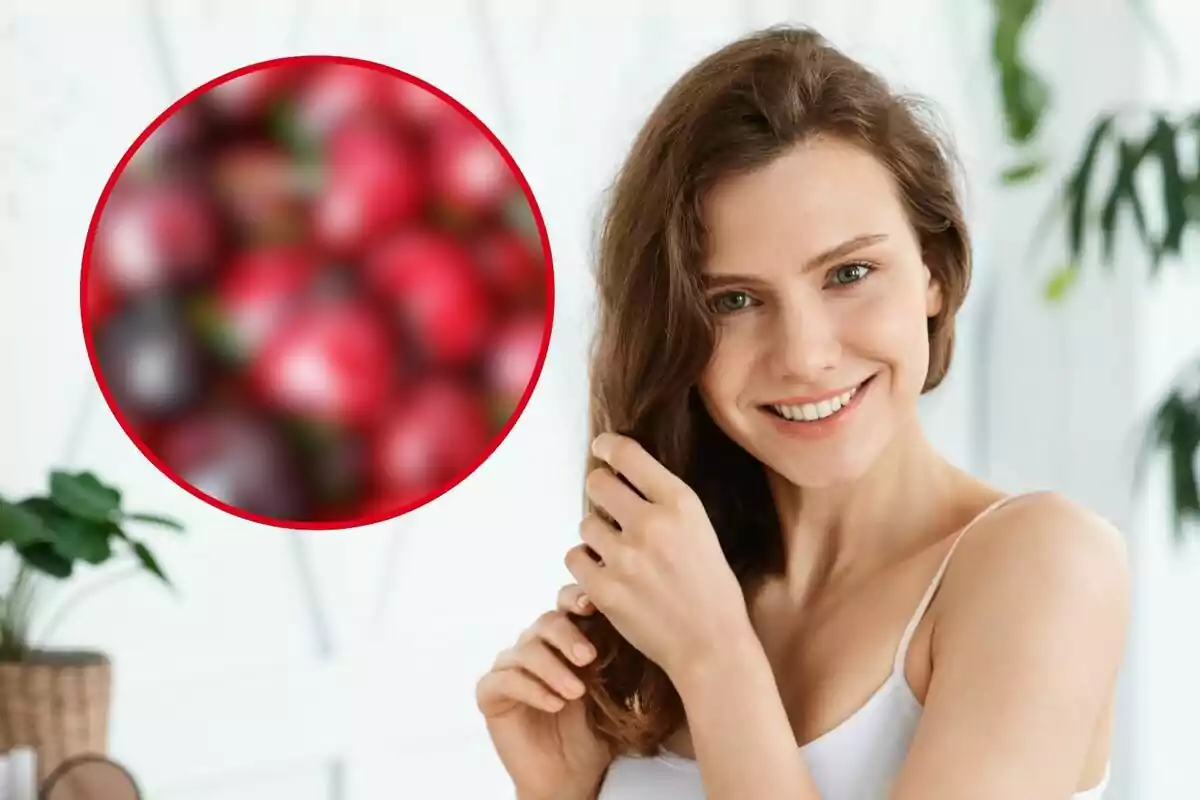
column 662, row 579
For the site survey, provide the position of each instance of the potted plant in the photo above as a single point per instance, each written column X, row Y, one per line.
column 55, row 701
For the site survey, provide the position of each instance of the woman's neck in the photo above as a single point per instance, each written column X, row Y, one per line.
column 894, row 510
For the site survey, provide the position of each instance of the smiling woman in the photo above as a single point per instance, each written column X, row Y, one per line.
column 775, row 594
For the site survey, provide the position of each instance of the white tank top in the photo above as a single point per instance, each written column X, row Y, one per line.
column 857, row 760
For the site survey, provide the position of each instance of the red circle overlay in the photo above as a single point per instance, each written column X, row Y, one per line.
column 317, row 292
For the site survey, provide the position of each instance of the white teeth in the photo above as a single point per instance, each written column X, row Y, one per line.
column 810, row 412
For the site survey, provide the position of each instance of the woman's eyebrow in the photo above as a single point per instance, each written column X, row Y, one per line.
column 718, row 279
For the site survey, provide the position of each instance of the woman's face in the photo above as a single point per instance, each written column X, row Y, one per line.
column 821, row 301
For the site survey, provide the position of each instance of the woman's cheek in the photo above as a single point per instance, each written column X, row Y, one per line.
column 888, row 320
column 732, row 354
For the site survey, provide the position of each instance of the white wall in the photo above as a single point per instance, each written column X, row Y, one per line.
column 1168, row 639
column 357, row 684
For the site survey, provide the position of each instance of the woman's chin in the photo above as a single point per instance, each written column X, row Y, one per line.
column 828, row 472
column 823, row 478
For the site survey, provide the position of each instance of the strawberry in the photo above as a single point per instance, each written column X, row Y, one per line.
column 438, row 433
column 432, row 281
column 331, row 361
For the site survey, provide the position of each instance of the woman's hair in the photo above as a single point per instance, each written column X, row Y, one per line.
column 733, row 113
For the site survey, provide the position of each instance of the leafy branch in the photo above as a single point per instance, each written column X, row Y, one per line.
column 79, row 520
column 1024, row 98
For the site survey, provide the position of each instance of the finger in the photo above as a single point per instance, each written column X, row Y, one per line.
column 541, row 662
column 564, row 636
column 656, row 483
column 555, row 628
column 600, row 536
column 585, row 571
column 497, row 689
column 573, row 599
column 614, row 496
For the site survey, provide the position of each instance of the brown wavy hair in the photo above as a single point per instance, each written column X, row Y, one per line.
column 736, row 111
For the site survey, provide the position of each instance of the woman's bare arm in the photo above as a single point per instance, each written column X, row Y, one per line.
column 1026, row 656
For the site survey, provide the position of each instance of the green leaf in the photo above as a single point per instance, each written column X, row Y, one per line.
column 73, row 537
column 1175, row 190
column 155, row 519
column 22, row 526
column 285, row 129
column 1077, row 186
column 148, row 561
column 1177, row 430
column 1024, row 95
column 83, row 495
column 1022, row 173
column 43, row 557
column 1124, row 188
column 1061, row 282
column 211, row 327
column 86, row 540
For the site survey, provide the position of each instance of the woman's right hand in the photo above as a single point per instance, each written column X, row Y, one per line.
column 532, row 702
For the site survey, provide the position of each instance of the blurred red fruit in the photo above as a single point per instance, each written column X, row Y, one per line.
column 236, row 460
column 261, row 189
column 338, row 92
column 512, row 269
column 432, row 281
column 469, row 173
column 332, row 361
column 150, row 360
column 253, row 94
column 382, row 507
column 260, row 289
column 438, row 433
column 375, row 182
column 173, row 136
column 152, row 235
column 514, row 357
column 100, row 298
column 421, row 107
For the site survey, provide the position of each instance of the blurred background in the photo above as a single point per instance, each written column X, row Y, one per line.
column 340, row 665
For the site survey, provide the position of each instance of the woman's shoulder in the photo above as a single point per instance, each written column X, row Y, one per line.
column 1039, row 552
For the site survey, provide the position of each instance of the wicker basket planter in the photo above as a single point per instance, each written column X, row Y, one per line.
column 57, row 703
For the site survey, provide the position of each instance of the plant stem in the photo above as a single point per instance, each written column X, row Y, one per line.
column 16, row 619
column 69, row 605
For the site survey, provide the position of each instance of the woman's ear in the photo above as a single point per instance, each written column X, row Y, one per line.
column 933, row 294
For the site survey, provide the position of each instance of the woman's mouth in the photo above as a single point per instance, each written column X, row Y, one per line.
column 820, row 415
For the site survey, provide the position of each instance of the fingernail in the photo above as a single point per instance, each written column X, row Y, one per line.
column 598, row 447
column 582, row 653
column 583, row 601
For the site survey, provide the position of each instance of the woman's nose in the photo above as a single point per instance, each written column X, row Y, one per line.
column 806, row 343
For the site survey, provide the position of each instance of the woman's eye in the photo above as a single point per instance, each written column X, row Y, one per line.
column 729, row 302
column 850, row 273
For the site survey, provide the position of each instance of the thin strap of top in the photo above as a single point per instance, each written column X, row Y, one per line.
column 902, row 650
